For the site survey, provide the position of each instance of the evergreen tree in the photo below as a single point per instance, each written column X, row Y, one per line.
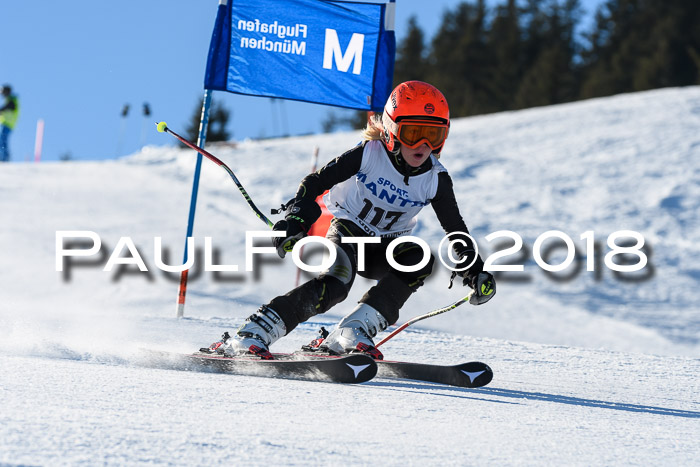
column 615, row 49
column 642, row 44
column 527, row 53
column 695, row 57
column 218, row 120
column 551, row 78
column 461, row 65
column 534, row 21
column 505, row 45
column 410, row 61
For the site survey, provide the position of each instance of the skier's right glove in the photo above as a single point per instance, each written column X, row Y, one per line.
column 300, row 214
column 293, row 233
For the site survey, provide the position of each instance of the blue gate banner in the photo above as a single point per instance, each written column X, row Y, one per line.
column 326, row 52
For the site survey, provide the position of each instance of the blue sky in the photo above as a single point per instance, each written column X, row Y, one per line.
column 75, row 64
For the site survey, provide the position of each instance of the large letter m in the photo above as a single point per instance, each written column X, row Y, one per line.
column 332, row 52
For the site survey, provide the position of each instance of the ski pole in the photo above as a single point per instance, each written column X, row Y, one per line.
column 163, row 128
column 427, row 315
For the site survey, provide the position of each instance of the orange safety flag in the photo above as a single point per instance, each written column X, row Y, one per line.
column 320, row 227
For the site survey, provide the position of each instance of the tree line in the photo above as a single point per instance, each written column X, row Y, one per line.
column 535, row 52
column 526, row 53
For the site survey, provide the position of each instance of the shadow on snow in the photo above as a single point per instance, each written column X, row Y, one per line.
column 465, row 393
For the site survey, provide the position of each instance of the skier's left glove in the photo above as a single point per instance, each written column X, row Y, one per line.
column 482, row 282
column 484, row 286
column 300, row 214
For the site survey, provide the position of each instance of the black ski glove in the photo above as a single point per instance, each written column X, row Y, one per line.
column 484, row 286
column 482, row 282
column 300, row 214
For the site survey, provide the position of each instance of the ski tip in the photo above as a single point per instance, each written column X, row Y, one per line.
column 477, row 374
column 359, row 368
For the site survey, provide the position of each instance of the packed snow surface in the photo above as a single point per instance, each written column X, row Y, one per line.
column 591, row 367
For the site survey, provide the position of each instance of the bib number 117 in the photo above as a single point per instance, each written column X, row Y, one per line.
column 378, row 215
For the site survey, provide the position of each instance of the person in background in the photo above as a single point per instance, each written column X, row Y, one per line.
column 8, row 119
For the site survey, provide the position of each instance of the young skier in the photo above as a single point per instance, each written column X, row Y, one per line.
column 376, row 189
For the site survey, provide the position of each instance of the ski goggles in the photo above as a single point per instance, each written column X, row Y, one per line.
column 413, row 133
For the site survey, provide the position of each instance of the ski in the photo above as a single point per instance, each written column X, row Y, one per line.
column 356, row 368
column 466, row 375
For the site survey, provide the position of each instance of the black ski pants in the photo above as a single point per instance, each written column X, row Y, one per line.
column 333, row 285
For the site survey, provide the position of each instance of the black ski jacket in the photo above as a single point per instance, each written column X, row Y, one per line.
column 444, row 203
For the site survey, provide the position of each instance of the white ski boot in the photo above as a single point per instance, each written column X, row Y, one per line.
column 355, row 332
column 257, row 334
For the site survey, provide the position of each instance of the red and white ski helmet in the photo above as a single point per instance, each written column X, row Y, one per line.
column 419, row 104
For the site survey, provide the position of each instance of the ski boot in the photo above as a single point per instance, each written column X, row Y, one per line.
column 355, row 332
column 260, row 330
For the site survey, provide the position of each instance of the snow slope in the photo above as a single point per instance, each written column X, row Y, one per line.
column 592, row 369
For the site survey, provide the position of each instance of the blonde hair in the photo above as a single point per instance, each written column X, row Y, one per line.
column 374, row 131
